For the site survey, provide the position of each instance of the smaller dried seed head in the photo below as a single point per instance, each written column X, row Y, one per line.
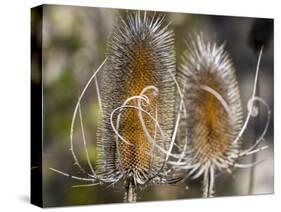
column 214, row 116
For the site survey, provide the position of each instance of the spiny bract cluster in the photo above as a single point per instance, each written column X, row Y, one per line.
column 137, row 77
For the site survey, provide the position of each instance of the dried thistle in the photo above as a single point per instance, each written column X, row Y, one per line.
column 136, row 134
column 212, row 125
column 138, row 96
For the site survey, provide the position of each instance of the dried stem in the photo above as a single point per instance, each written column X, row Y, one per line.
column 208, row 183
column 130, row 194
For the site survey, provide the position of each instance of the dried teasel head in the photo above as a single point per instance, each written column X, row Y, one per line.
column 211, row 124
column 213, row 116
column 211, row 95
column 138, row 96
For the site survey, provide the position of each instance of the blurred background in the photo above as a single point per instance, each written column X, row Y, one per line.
column 74, row 45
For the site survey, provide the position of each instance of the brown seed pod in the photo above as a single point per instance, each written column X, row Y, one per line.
column 213, row 115
column 140, row 63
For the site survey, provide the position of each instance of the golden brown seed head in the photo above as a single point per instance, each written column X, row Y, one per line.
column 211, row 95
column 140, row 54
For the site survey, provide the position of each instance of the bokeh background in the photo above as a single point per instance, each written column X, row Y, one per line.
column 74, row 45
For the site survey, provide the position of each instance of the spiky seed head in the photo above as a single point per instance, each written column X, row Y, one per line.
column 140, row 54
column 211, row 95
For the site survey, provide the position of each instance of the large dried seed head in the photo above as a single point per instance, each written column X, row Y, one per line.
column 140, row 54
column 211, row 95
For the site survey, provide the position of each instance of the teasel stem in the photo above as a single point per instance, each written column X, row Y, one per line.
column 130, row 194
column 208, row 183
column 253, row 158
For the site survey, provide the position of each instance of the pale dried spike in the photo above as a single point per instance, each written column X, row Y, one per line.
column 72, row 176
column 75, row 115
column 251, row 100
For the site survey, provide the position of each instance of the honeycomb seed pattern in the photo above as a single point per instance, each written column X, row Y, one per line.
column 212, row 129
column 135, row 156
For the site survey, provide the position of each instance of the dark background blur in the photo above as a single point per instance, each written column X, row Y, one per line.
column 74, row 44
